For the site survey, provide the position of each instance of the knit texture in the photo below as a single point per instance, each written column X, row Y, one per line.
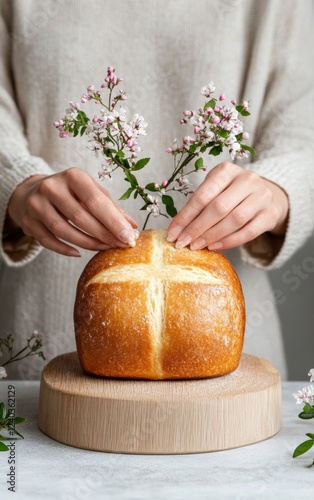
column 165, row 51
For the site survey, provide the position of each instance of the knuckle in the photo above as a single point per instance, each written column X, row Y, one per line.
column 72, row 173
column 77, row 216
column 252, row 231
column 55, row 226
column 32, row 204
column 239, row 217
column 251, row 176
column 220, row 207
column 202, row 198
column 47, row 186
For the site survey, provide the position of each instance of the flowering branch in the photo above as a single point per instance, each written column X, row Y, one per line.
column 32, row 348
column 116, row 139
column 306, row 396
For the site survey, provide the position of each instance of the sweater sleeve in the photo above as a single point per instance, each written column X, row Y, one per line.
column 284, row 138
column 16, row 162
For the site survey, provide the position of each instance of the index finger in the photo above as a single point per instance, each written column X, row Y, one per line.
column 216, row 181
column 101, row 206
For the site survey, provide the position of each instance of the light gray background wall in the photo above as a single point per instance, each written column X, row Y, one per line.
column 296, row 309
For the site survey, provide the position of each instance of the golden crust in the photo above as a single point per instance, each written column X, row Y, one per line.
column 156, row 312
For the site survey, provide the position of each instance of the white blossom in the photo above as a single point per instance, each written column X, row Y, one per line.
column 208, row 90
column 3, row 372
column 154, row 207
column 311, row 375
column 306, row 395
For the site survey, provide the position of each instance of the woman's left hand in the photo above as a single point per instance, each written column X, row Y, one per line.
column 231, row 207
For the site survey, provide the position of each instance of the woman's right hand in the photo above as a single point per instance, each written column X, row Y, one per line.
column 70, row 208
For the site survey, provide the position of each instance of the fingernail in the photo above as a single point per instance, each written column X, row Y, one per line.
column 215, row 246
column 74, row 253
column 201, row 243
column 136, row 234
column 127, row 236
column 174, row 233
column 186, row 240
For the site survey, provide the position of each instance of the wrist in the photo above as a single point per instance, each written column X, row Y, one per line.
column 14, row 208
column 281, row 201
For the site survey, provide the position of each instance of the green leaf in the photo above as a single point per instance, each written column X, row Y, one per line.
column 171, row 210
column 210, row 104
column 223, row 133
column 3, row 447
column 193, row 148
column 2, row 411
column 120, row 154
column 307, row 408
column 127, row 194
column 125, row 163
column 135, row 194
column 83, row 130
column 306, row 416
column 140, row 164
column 19, row 420
column 17, row 433
column 131, row 178
column 216, row 150
column 248, row 148
column 151, row 187
column 167, row 200
column 310, row 435
column 245, row 113
column 303, row 448
column 199, row 163
column 239, row 108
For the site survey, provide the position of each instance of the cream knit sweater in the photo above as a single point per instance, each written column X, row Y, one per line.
column 166, row 50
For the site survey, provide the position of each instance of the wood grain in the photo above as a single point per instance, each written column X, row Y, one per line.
column 159, row 417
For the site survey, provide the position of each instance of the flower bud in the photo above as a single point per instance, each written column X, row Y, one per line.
column 245, row 135
column 222, row 97
column 164, row 183
column 216, row 119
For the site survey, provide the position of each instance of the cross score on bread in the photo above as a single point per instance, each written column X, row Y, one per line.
column 157, row 312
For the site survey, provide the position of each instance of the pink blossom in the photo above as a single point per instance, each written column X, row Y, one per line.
column 216, row 119
column 90, row 88
column 168, row 150
column 222, row 97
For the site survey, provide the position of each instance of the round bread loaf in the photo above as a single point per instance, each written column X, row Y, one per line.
column 156, row 312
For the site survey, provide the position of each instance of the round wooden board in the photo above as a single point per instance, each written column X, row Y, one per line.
column 164, row 417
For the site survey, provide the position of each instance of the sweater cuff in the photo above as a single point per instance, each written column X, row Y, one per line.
column 293, row 173
column 20, row 249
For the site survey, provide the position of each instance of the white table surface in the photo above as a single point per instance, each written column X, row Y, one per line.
column 47, row 469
